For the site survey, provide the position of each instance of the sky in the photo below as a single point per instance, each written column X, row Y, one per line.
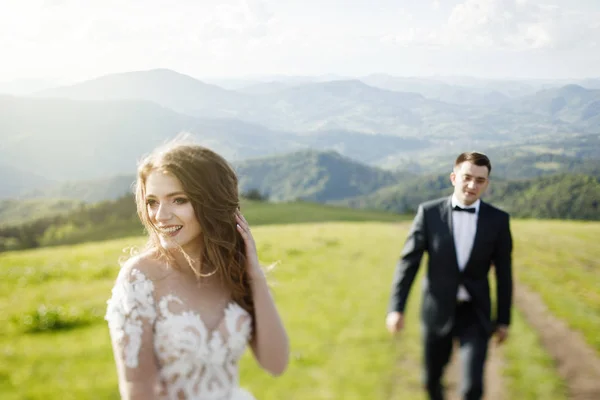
column 73, row 40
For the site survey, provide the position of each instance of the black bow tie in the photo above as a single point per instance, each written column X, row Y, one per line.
column 469, row 210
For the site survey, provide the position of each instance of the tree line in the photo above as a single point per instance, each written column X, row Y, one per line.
column 99, row 221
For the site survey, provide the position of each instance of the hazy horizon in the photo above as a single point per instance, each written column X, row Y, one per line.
column 64, row 41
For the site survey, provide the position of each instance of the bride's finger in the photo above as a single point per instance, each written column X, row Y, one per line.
column 239, row 213
column 244, row 232
column 243, row 225
column 241, row 222
column 244, row 222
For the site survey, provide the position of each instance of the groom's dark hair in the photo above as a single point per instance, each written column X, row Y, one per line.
column 479, row 159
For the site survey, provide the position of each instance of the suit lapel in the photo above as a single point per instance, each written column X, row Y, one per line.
column 478, row 231
column 446, row 214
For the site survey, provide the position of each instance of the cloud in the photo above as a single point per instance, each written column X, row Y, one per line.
column 212, row 37
column 518, row 24
column 113, row 20
column 68, row 32
column 248, row 18
column 507, row 25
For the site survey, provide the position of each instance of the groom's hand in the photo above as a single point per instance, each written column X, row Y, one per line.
column 394, row 322
column 501, row 334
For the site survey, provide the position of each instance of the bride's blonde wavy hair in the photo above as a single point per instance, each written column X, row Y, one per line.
column 211, row 186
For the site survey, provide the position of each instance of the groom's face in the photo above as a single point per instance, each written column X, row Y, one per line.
column 469, row 181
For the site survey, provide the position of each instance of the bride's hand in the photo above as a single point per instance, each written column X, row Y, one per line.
column 252, row 263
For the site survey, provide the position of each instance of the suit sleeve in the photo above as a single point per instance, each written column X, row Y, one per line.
column 409, row 262
column 502, row 260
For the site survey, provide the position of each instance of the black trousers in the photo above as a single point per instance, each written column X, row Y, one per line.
column 473, row 341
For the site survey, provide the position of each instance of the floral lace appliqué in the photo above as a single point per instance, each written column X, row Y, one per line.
column 193, row 361
column 196, row 360
column 131, row 302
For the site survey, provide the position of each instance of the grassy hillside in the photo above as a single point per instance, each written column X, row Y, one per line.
column 103, row 220
column 118, row 218
column 329, row 177
column 330, row 285
column 555, row 196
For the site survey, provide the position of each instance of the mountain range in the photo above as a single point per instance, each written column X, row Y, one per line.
column 323, row 139
column 62, row 140
column 350, row 104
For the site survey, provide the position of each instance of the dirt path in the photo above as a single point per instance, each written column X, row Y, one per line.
column 576, row 362
column 493, row 374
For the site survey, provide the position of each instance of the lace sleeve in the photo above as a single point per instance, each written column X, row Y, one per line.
column 130, row 315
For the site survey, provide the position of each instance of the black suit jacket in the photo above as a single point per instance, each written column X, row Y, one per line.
column 431, row 232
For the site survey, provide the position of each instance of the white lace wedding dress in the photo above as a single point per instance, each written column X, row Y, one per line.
column 171, row 342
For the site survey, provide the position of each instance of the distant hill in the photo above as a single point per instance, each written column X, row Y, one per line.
column 16, row 212
column 340, row 104
column 452, row 110
column 584, row 147
column 99, row 139
column 103, row 138
column 313, row 176
column 349, row 104
column 105, row 125
column 305, row 174
column 89, row 191
column 568, row 104
column 264, row 88
column 96, row 138
column 590, row 83
column 524, row 167
column 329, row 177
column 512, row 164
column 14, row 180
column 374, row 104
column 365, row 148
column 527, row 159
column 171, row 89
column 564, row 196
column 438, row 90
column 403, row 197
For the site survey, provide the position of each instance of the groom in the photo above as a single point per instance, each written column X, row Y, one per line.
column 463, row 237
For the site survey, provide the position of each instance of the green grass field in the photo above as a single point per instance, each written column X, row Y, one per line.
column 561, row 262
column 265, row 213
column 331, row 285
column 528, row 369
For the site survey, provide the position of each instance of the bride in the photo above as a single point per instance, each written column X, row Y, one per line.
column 184, row 309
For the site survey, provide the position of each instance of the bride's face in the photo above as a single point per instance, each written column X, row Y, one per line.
column 171, row 212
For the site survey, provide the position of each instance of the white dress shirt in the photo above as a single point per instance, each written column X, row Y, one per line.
column 464, row 227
